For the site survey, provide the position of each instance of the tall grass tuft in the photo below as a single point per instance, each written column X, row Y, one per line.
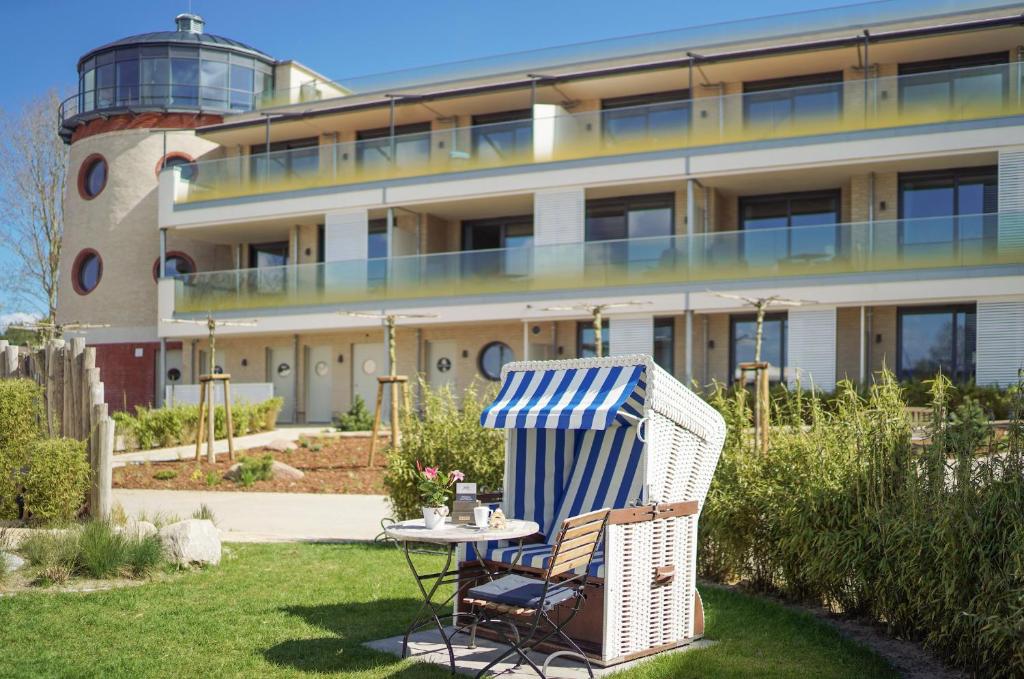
column 102, row 551
column 847, row 511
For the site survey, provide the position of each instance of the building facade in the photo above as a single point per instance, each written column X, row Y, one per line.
column 864, row 163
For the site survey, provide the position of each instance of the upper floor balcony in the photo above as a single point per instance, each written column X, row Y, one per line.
column 796, row 255
column 828, row 104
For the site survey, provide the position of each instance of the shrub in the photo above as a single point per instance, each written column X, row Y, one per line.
column 102, row 551
column 255, row 469
column 95, row 549
column 142, row 556
column 21, row 418
column 358, row 418
column 165, row 475
column 847, row 512
column 446, row 436
column 57, row 480
column 212, row 478
column 177, row 425
column 52, row 554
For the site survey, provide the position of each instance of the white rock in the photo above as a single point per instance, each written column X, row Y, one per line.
column 14, row 562
column 193, row 541
column 282, row 445
column 137, row 529
column 278, row 470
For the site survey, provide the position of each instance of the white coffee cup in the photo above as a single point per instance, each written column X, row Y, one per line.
column 481, row 515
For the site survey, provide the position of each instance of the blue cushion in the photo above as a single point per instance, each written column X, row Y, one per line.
column 519, row 590
column 534, row 556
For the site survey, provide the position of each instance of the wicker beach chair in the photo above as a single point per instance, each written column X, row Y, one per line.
column 622, row 433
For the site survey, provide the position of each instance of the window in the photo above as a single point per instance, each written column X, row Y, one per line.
column 377, row 249
column 645, row 222
column 664, row 343
column 321, row 244
column 794, row 227
column 287, row 159
column 493, row 357
column 585, row 345
column 784, row 101
column 86, row 271
column 953, row 84
column 176, row 264
column 742, row 337
column 189, row 170
column 648, row 116
column 933, row 339
column 411, row 147
column 92, row 176
column 503, row 136
column 949, row 211
column 269, row 259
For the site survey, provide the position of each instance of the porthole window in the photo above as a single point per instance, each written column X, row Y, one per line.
column 189, row 169
column 92, row 176
column 173, row 375
column 176, row 264
column 87, row 271
column 493, row 357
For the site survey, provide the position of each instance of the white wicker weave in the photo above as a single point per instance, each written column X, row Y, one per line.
column 683, row 438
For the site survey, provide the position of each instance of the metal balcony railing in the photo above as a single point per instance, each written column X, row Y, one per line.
column 827, row 250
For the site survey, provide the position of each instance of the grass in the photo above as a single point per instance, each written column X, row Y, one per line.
column 300, row 610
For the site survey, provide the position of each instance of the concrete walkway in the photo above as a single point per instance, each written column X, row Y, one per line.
column 187, row 452
column 267, row 517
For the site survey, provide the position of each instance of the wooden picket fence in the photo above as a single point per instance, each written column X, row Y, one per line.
column 74, row 404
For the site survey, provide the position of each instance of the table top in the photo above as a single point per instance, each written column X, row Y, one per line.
column 448, row 533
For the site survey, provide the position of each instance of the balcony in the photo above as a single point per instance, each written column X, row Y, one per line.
column 554, row 135
column 829, row 251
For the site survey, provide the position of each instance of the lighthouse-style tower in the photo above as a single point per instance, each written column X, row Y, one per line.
column 139, row 101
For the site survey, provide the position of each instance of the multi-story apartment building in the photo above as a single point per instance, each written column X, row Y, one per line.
column 865, row 160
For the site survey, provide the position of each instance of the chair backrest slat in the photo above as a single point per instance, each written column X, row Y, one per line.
column 577, row 541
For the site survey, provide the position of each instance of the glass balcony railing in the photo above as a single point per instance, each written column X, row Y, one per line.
column 556, row 135
column 825, row 250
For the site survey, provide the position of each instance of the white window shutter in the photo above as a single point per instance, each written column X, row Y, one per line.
column 811, row 348
column 1011, row 200
column 631, row 336
column 345, row 235
column 1000, row 342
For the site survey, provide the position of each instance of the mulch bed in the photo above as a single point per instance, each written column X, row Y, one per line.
column 338, row 467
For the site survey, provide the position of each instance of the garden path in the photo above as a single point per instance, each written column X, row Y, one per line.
column 283, row 433
column 267, row 517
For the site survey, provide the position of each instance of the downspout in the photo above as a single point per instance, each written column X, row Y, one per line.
column 161, row 364
column 863, row 346
column 704, row 340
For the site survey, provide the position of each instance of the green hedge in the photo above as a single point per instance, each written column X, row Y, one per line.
column 845, row 512
column 21, row 419
column 57, row 480
column 449, row 436
column 176, row 425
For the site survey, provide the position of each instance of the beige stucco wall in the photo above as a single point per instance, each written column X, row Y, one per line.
column 121, row 224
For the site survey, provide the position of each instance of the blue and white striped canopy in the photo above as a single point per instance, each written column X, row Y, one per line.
column 574, row 398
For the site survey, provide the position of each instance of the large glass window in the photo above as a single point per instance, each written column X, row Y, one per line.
column 410, row 147
column 934, row 339
column 647, row 116
column 184, row 79
column 586, row 346
column 974, row 82
column 948, row 212
column 507, row 242
column 743, row 337
column 273, row 257
column 790, row 227
column 503, row 136
column 287, row 159
column 783, row 102
column 377, row 250
column 645, row 223
column 664, row 343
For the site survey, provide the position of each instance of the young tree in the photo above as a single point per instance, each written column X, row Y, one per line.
column 33, row 172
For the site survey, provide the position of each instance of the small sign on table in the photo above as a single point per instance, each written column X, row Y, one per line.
column 465, row 502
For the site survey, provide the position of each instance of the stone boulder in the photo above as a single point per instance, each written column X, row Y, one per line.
column 13, row 561
column 282, row 445
column 279, row 471
column 193, row 541
column 137, row 530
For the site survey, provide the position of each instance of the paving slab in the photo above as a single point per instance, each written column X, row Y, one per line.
column 426, row 646
column 267, row 517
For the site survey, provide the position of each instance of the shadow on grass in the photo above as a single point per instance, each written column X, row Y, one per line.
column 352, row 624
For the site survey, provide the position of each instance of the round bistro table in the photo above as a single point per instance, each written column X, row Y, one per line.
column 445, row 540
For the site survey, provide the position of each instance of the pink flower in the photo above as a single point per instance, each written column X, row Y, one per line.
column 430, row 473
column 457, row 475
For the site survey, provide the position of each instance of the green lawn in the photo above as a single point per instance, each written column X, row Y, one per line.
column 300, row 610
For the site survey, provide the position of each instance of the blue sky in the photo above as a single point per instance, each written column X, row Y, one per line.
column 340, row 38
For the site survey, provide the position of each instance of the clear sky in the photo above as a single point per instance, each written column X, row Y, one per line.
column 340, row 38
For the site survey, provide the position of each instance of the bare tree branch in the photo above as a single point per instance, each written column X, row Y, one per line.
column 33, row 174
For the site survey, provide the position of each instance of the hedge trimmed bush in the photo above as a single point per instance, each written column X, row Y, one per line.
column 448, row 436
column 57, row 480
column 21, row 420
column 846, row 512
column 176, row 425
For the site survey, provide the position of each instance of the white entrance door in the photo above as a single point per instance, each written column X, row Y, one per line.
column 281, row 365
column 319, row 375
column 441, row 363
column 369, row 363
